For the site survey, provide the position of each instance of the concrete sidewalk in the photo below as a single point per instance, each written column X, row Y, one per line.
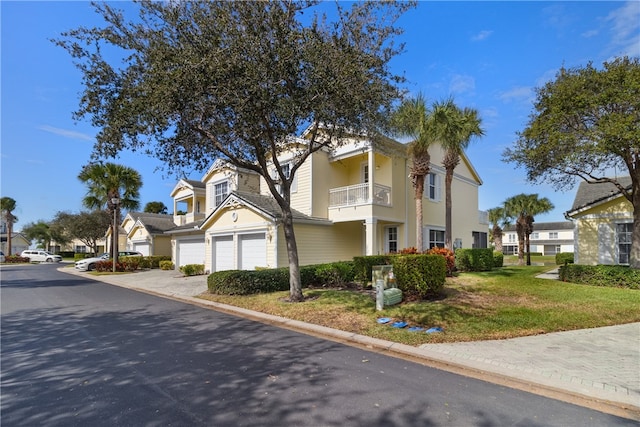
column 599, row 367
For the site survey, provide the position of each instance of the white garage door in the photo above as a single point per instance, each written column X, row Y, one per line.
column 223, row 256
column 253, row 251
column 190, row 252
column 143, row 248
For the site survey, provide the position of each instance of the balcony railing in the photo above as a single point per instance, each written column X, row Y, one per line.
column 359, row 195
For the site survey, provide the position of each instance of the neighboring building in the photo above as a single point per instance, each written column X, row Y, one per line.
column 548, row 238
column 356, row 200
column 603, row 224
column 146, row 233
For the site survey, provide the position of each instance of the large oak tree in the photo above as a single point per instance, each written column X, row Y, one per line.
column 234, row 80
column 586, row 125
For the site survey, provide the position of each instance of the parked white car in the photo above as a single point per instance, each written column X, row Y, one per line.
column 35, row 255
column 89, row 264
column 2, row 257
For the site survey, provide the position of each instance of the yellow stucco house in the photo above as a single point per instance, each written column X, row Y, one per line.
column 603, row 223
column 355, row 200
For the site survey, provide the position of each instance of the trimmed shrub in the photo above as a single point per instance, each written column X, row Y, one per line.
column 155, row 260
column 449, row 258
column 329, row 274
column 166, row 265
column 564, row 258
column 125, row 263
column 498, row 259
column 362, row 266
column 423, row 275
column 601, row 275
column 15, row 259
column 192, row 269
column 247, row 282
column 478, row 259
column 67, row 254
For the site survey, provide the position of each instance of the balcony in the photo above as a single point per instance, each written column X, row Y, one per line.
column 358, row 194
column 187, row 218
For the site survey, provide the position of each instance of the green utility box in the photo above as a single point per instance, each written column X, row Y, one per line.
column 392, row 296
column 385, row 284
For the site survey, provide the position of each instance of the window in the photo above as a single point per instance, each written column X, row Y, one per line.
column 535, row 236
column 81, row 249
column 392, row 239
column 558, row 249
column 623, row 236
column 553, row 234
column 286, row 171
column 479, row 239
column 198, row 206
column 365, row 173
column 220, row 191
column 436, row 238
column 432, row 186
column 513, row 238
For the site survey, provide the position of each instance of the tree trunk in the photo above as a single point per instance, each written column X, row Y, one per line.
column 634, row 258
column 9, row 232
column 497, row 238
column 528, row 248
column 520, row 232
column 419, row 192
column 295, row 285
column 448, row 239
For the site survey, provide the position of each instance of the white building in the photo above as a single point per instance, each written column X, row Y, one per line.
column 548, row 238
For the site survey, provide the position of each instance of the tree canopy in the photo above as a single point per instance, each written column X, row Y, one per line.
column 586, row 125
column 7, row 206
column 235, row 80
column 155, row 207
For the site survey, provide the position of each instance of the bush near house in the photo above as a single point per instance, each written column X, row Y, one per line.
column 363, row 265
column 498, row 259
column 477, row 259
column 449, row 258
column 247, row 282
column 123, row 264
column 616, row 276
column 192, row 269
column 166, row 265
column 331, row 274
column 421, row 275
column 564, row 258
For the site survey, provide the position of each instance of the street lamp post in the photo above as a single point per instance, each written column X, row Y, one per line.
column 114, row 232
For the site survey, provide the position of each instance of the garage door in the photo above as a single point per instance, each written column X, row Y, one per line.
column 190, row 252
column 253, row 251
column 143, row 248
column 223, row 256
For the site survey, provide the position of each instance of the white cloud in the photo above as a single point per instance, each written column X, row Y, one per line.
column 625, row 28
column 590, row 33
column 66, row 133
column 462, row 84
column 482, row 35
column 517, row 94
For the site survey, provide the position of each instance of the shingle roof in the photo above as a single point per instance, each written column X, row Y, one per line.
column 268, row 205
column 589, row 194
column 154, row 223
column 195, row 183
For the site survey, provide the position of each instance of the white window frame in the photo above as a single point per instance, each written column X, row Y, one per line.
column 534, row 236
column 364, row 173
column 390, row 238
column 553, row 235
column 433, row 187
column 626, row 243
column 433, row 243
column 219, row 197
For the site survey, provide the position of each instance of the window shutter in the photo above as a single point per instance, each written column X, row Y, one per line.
column 606, row 244
column 438, row 185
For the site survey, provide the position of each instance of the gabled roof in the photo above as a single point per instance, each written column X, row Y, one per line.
column 589, row 195
column 189, row 183
column 263, row 205
column 153, row 223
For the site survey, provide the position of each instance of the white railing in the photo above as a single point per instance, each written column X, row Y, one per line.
column 359, row 195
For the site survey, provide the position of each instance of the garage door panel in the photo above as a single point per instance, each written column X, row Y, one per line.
column 143, row 248
column 223, row 247
column 253, row 251
column 190, row 252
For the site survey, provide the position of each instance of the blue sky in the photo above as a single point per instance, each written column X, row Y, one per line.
column 487, row 55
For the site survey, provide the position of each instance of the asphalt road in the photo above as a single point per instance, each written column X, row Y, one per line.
column 80, row 352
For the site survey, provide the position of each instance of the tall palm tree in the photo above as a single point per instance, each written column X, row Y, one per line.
column 524, row 207
column 454, row 128
column 113, row 187
column 7, row 206
column 412, row 119
column 498, row 219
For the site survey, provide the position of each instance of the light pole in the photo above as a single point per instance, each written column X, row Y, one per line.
column 114, row 233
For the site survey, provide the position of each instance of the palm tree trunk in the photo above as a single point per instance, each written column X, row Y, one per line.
column 448, row 240
column 419, row 191
column 521, row 239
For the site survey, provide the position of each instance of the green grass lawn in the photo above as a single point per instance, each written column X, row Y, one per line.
column 504, row 303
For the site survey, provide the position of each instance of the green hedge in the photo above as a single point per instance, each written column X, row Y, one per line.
column 479, row 259
column 601, row 275
column 564, row 258
column 362, row 266
column 424, row 275
column 498, row 259
column 192, row 269
column 247, row 282
column 166, row 265
column 329, row 274
column 125, row 263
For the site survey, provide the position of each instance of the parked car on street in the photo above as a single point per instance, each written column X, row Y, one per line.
column 36, row 255
column 89, row 264
column 2, row 258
